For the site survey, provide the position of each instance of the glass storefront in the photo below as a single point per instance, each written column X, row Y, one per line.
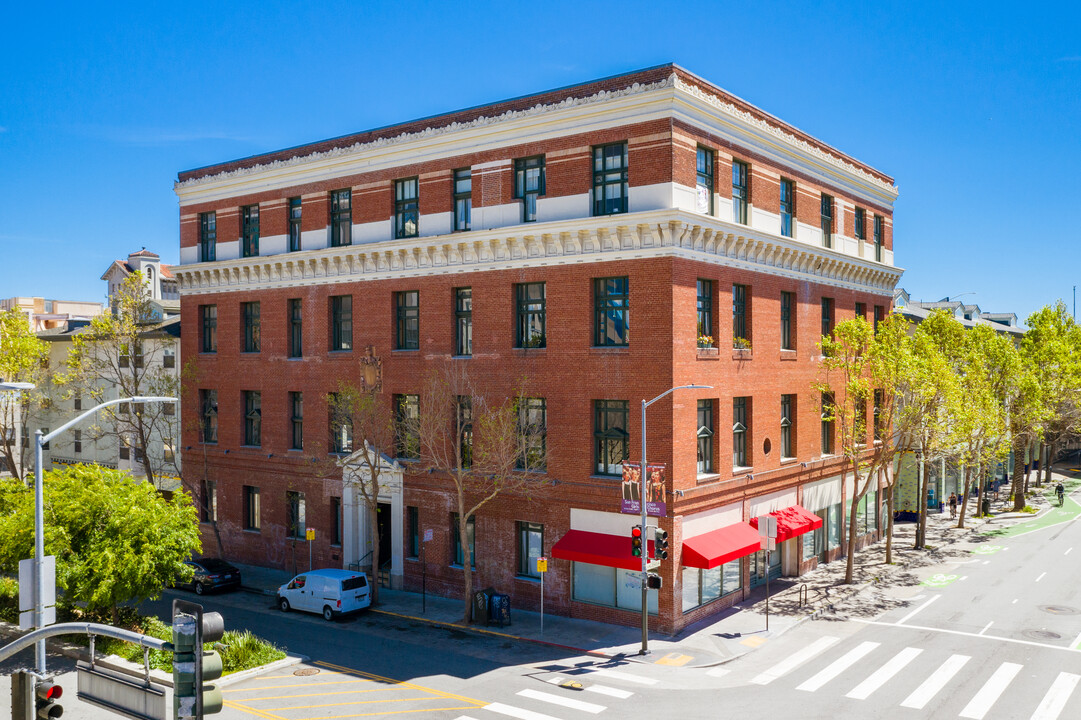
column 703, row 586
column 612, row 587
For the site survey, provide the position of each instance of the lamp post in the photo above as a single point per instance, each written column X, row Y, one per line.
column 39, row 513
column 642, row 503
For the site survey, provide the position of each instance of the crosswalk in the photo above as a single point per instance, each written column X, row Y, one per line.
column 866, row 668
column 582, row 692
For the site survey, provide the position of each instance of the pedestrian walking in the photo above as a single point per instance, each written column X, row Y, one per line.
column 953, row 505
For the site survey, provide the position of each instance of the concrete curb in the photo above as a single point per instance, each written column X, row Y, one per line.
column 288, row 661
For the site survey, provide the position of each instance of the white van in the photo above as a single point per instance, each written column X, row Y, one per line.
column 330, row 592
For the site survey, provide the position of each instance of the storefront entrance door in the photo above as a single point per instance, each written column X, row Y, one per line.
column 758, row 566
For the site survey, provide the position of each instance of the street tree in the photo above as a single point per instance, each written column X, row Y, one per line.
column 357, row 412
column 1026, row 412
column 122, row 354
column 23, row 358
column 481, row 444
column 116, row 540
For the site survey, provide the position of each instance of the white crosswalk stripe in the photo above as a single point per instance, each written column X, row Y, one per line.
column 562, row 701
column 1055, row 700
column 938, row 680
column 879, row 677
column 794, row 660
column 837, row 667
column 516, row 712
column 599, row 689
column 625, row 677
column 994, row 687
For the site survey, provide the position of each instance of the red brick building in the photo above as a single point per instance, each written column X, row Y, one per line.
column 605, row 241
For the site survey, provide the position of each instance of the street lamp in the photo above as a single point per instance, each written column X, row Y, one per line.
column 642, row 503
column 39, row 512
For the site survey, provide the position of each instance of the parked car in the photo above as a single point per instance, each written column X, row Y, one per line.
column 331, row 592
column 210, row 574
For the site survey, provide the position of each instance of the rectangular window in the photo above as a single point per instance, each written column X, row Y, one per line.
column 788, row 426
column 878, row 238
column 412, row 517
column 788, row 206
column 827, row 221
column 408, row 307
column 296, row 513
column 741, row 329
column 253, row 418
column 861, row 310
column 529, row 184
column 530, row 547
column 209, row 341
column 295, row 210
column 740, row 430
column 704, row 586
column 740, row 196
column 860, row 229
column 406, row 208
column 78, row 402
column 249, row 231
column 533, row 434
column 250, row 311
column 168, row 449
column 470, row 537
column 208, row 236
column 788, row 307
column 407, row 412
column 296, row 328
column 341, row 425
column 611, row 314
column 463, row 321
column 251, row 508
column 610, row 587
column 827, row 316
column 880, row 313
column 341, row 218
column 705, row 313
column 168, row 360
column 827, row 423
column 877, row 410
column 704, row 180
column 463, row 199
column 610, row 179
column 208, row 509
column 341, row 322
column 530, row 315
column 609, row 436
column 336, row 521
column 464, row 408
column 705, row 436
column 209, row 401
column 78, row 441
column 296, row 413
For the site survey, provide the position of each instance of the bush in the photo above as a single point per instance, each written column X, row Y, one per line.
column 9, row 599
column 1029, row 509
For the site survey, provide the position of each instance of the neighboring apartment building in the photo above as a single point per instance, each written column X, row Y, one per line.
column 98, row 440
column 45, row 314
column 606, row 242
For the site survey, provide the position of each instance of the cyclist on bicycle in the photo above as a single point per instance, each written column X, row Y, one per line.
column 1060, row 491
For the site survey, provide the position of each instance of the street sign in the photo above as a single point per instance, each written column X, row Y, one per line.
column 120, row 693
column 768, row 543
column 427, row 535
column 309, row 533
column 542, row 564
column 28, row 590
column 767, row 526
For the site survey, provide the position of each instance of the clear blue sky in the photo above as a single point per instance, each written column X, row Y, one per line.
column 974, row 108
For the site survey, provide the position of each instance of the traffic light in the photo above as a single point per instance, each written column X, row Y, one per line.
column 46, row 694
column 653, row 581
column 636, row 541
column 660, row 544
column 191, row 665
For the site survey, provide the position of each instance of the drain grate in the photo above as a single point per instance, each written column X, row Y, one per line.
column 1042, row 635
column 303, row 672
column 1059, row 609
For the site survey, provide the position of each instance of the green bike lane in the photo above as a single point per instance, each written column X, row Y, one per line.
column 1070, row 511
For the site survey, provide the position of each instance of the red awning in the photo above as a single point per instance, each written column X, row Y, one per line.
column 720, row 546
column 793, row 521
column 598, row 549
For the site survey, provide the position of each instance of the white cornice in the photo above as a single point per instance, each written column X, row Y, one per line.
column 661, row 233
column 637, row 103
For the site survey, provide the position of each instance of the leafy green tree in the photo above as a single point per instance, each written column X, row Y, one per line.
column 116, row 540
column 22, row 359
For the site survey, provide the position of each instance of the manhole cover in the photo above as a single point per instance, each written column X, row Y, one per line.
column 1042, row 635
column 306, row 671
column 1059, row 609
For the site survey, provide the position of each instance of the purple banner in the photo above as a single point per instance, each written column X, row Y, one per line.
column 655, row 489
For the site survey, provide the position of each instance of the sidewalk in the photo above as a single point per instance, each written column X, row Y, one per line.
column 734, row 631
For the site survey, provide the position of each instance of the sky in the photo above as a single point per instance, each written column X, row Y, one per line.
column 973, row 108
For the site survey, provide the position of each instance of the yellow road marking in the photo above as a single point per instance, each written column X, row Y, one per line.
column 674, row 659
column 252, row 711
column 278, row 687
column 293, row 675
column 752, row 641
column 393, row 712
column 321, row 694
column 477, row 703
column 359, row 702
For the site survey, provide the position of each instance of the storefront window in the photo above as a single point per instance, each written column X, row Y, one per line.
column 612, row 587
column 833, row 537
column 703, row 586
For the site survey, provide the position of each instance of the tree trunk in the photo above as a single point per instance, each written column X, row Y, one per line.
column 467, row 563
column 1051, row 446
column 850, row 541
column 965, row 479
column 373, row 531
column 921, row 503
column 889, row 524
column 1018, row 474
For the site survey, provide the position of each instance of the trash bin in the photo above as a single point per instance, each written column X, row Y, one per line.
column 481, row 600
column 985, row 506
column 499, row 609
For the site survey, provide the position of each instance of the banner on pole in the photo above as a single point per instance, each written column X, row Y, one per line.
column 655, row 489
